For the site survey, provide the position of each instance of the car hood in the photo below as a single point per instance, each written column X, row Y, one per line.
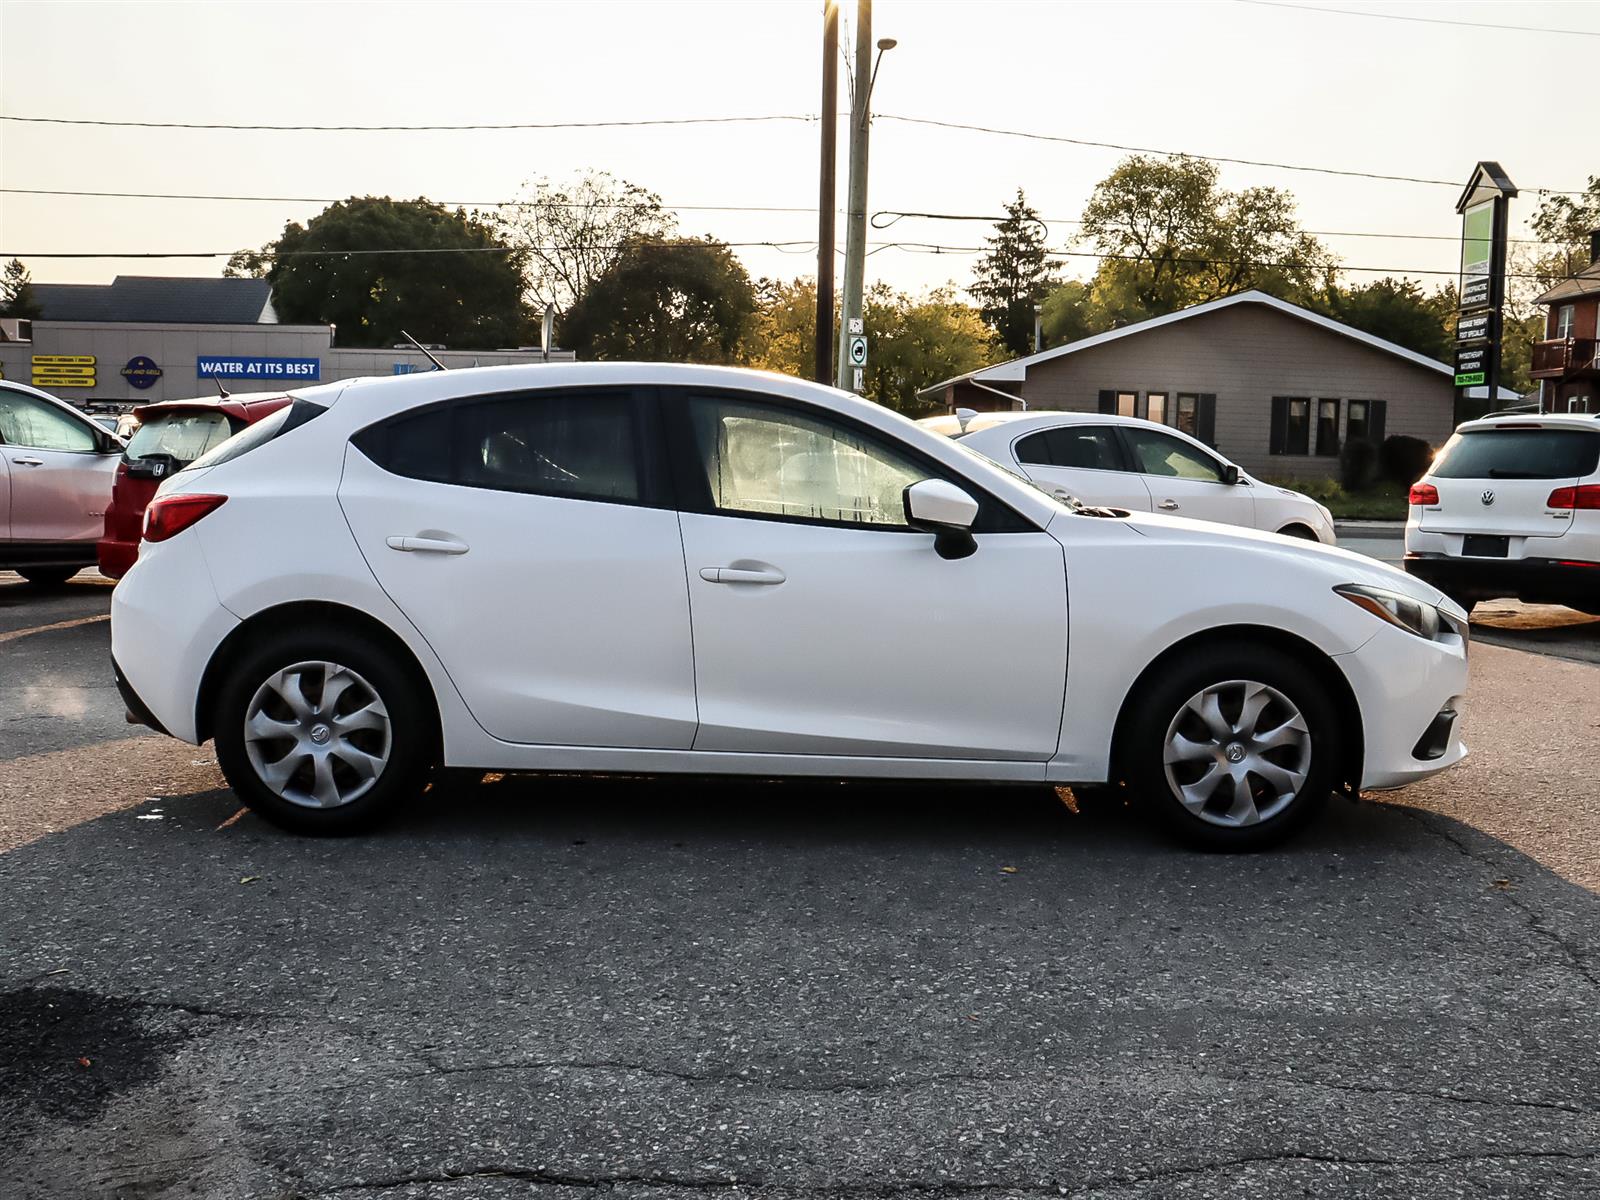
column 1328, row 562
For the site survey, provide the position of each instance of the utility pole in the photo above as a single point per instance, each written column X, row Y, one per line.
column 828, row 195
column 855, row 250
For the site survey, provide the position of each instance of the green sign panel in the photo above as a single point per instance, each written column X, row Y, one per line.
column 1471, row 379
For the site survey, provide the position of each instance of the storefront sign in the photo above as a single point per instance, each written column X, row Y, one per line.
column 1475, row 327
column 1475, row 293
column 63, row 370
column 141, row 372
column 301, row 370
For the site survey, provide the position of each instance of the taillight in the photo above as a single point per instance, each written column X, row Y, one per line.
column 1424, row 493
column 1585, row 495
column 169, row 516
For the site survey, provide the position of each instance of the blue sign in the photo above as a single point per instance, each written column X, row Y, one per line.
column 141, row 372
column 405, row 368
column 299, row 370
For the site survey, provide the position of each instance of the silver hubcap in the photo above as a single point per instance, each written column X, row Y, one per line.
column 1237, row 753
column 317, row 734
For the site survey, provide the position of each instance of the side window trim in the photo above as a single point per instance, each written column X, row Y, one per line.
column 693, row 493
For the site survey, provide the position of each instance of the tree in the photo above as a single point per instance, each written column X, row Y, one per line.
column 573, row 232
column 1567, row 221
column 1398, row 311
column 16, row 292
column 916, row 341
column 784, row 335
column 1069, row 314
column 1013, row 275
column 1171, row 237
column 682, row 300
column 459, row 285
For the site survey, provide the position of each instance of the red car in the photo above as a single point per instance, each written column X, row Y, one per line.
column 170, row 436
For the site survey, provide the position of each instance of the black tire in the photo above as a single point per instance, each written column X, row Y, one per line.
column 1142, row 748
column 48, row 576
column 411, row 738
column 1298, row 531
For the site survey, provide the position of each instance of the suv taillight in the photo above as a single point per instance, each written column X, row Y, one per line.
column 168, row 516
column 1585, row 495
column 1424, row 493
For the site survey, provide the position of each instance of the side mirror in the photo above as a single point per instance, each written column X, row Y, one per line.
column 944, row 510
column 1230, row 474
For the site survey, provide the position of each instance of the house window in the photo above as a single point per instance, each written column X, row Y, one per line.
column 1155, row 407
column 1359, row 428
column 1327, row 427
column 1127, row 404
column 1291, row 425
column 1564, row 322
column 1185, row 416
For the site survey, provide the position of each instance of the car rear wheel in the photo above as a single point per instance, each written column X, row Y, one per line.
column 1236, row 748
column 322, row 732
column 1304, row 533
column 48, row 576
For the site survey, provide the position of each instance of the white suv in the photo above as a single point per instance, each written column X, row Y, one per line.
column 652, row 568
column 1511, row 507
column 1124, row 462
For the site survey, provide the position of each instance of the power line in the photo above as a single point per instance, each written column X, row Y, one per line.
column 896, row 215
column 796, row 246
column 1349, row 12
column 468, row 128
column 761, row 208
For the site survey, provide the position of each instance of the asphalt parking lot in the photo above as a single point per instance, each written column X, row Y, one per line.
column 559, row 988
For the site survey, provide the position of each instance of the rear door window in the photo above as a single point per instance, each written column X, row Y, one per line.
column 1518, row 454
column 180, row 436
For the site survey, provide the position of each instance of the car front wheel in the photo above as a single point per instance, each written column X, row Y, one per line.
column 322, row 733
column 1236, row 748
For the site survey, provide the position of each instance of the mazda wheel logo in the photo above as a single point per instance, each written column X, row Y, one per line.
column 1488, row 497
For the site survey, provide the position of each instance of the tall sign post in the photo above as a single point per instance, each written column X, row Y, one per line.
column 1484, row 221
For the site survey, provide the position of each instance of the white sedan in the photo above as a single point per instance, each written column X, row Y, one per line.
column 1142, row 466
column 672, row 569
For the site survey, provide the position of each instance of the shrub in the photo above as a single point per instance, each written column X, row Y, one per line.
column 1404, row 460
column 1357, row 459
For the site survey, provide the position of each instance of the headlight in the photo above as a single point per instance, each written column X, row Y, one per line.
column 1414, row 616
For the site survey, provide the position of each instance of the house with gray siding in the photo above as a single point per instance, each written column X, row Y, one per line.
column 1273, row 386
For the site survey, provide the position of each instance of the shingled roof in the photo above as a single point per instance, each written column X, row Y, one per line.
column 160, row 299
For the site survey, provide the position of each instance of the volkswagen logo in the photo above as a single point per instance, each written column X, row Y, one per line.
column 1488, row 497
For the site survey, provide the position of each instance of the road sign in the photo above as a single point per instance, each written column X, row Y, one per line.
column 858, row 379
column 858, row 351
column 856, row 325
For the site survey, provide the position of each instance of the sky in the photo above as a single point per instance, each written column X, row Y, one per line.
column 1284, row 83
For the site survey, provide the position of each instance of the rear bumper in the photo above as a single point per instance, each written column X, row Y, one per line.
column 138, row 711
column 1549, row 580
column 116, row 557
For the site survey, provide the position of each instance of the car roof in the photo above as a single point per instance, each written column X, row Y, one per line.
column 1586, row 421
column 1043, row 418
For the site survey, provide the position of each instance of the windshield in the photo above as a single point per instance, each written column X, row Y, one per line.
column 1518, row 454
column 184, row 436
column 1055, row 494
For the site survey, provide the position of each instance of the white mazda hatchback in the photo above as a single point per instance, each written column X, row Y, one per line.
column 673, row 569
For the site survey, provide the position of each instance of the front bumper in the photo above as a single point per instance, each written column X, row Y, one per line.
column 1403, row 685
column 1538, row 580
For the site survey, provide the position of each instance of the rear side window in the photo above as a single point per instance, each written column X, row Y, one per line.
column 183, row 436
column 582, row 444
column 259, row 434
column 1086, row 447
column 1518, row 454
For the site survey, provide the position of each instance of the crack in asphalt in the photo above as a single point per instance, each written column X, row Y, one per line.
column 922, row 1188
column 909, row 1083
column 1574, row 959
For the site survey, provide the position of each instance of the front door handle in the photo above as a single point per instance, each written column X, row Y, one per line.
column 424, row 545
column 767, row 575
column 1168, row 504
column 28, row 462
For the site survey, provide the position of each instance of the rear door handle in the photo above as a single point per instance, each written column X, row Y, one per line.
column 422, row 545
column 1168, row 504
column 28, row 462
column 769, row 575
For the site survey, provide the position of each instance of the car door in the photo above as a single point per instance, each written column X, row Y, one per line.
column 1086, row 461
column 1185, row 480
column 526, row 537
column 823, row 624
column 61, row 473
